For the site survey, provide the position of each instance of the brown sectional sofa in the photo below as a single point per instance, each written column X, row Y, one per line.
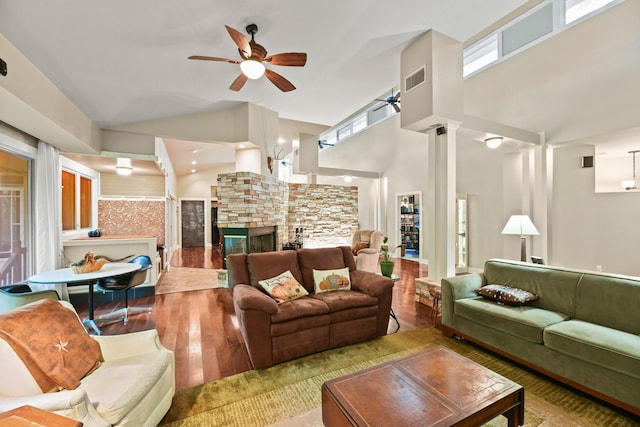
column 275, row 332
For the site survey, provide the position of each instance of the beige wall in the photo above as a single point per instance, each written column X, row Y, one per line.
column 135, row 185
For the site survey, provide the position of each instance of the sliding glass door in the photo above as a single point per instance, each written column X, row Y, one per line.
column 14, row 224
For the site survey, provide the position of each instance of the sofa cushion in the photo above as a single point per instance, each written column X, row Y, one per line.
column 298, row 308
column 337, row 301
column 283, row 287
column 265, row 265
column 606, row 347
column 299, row 324
column 524, row 322
column 506, row 295
column 117, row 386
column 555, row 287
column 610, row 301
column 319, row 259
column 359, row 246
column 331, row 280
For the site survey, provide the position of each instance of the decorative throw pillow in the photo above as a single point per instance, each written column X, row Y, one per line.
column 506, row 295
column 331, row 280
column 283, row 287
column 359, row 246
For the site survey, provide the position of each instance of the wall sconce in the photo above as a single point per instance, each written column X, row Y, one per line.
column 123, row 167
column 493, row 142
column 630, row 184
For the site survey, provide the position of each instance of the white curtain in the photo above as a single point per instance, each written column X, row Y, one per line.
column 47, row 214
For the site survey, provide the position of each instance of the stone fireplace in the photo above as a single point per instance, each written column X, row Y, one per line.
column 252, row 206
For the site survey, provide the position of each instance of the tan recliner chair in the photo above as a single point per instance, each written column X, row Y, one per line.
column 366, row 248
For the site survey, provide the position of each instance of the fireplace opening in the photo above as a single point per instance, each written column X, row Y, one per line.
column 247, row 240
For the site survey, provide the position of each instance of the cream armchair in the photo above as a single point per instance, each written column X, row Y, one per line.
column 366, row 248
column 133, row 385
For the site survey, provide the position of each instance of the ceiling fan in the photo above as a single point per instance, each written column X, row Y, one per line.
column 253, row 57
column 392, row 100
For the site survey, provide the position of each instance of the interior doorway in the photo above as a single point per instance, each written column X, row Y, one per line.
column 192, row 223
column 409, row 224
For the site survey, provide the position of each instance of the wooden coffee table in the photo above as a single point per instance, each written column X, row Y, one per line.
column 435, row 387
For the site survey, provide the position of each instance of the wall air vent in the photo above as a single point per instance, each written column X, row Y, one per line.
column 415, row 79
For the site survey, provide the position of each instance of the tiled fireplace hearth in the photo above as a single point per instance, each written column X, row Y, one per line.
column 327, row 214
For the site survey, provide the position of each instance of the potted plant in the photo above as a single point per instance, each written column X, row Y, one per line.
column 386, row 265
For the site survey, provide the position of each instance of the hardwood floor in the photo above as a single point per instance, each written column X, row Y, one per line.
column 201, row 327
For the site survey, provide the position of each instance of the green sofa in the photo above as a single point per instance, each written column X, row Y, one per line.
column 582, row 330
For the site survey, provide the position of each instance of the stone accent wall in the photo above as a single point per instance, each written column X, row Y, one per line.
column 132, row 217
column 247, row 199
column 328, row 214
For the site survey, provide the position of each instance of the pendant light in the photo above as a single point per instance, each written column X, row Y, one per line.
column 630, row 184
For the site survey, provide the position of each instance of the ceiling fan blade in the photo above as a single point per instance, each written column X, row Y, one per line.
column 395, row 106
column 241, row 41
column 280, row 82
column 238, row 82
column 382, row 106
column 214, row 58
column 395, row 98
column 290, row 59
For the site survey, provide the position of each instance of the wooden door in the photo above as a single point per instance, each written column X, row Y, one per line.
column 192, row 219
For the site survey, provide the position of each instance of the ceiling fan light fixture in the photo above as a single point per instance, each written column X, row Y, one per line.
column 493, row 142
column 252, row 69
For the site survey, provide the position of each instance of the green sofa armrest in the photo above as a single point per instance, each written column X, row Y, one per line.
column 455, row 288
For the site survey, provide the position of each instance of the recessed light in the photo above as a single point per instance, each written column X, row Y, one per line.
column 193, row 162
column 193, row 170
column 241, row 145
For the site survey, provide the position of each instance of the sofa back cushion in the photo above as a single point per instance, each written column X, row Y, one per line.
column 319, row 259
column 610, row 301
column 555, row 287
column 266, row 265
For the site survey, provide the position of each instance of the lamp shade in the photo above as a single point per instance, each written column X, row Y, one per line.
column 520, row 225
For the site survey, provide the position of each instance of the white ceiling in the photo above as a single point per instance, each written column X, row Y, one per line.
column 123, row 61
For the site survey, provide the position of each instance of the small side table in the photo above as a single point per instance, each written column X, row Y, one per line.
column 436, row 294
column 28, row 416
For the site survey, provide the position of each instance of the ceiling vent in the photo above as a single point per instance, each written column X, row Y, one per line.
column 415, row 79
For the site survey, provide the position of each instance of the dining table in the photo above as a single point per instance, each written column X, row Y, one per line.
column 68, row 276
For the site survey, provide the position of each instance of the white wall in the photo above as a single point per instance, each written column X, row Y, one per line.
column 479, row 174
column 587, row 228
column 399, row 155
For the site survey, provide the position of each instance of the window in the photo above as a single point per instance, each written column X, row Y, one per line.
column 78, row 203
column 576, row 9
column 344, row 132
column 480, row 54
column 14, row 224
column 359, row 123
column 544, row 20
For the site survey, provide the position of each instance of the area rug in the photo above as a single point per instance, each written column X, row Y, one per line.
column 288, row 394
column 184, row 279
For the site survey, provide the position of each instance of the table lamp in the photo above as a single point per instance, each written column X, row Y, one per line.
column 521, row 225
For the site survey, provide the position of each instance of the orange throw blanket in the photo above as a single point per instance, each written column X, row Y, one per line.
column 52, row 343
